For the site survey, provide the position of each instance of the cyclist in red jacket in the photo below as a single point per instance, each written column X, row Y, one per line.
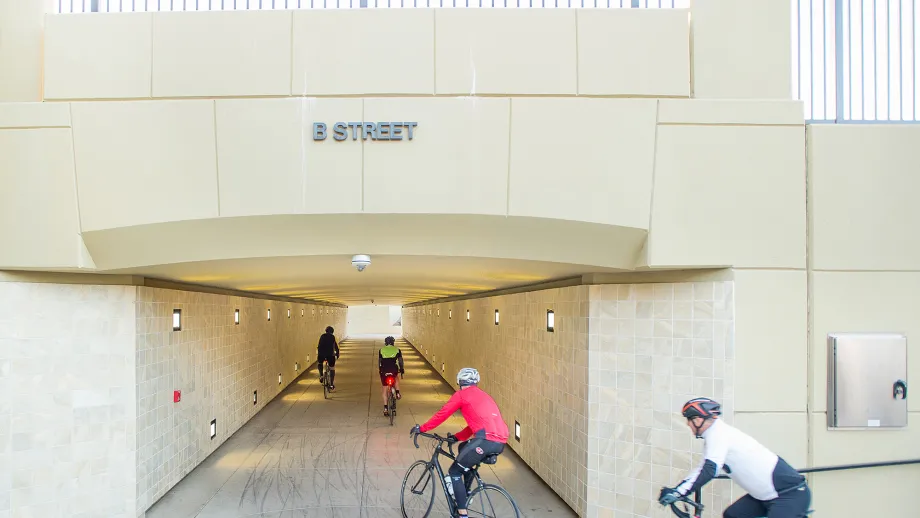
column 486, row 432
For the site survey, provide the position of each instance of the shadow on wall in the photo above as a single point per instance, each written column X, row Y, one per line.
column 374, row 320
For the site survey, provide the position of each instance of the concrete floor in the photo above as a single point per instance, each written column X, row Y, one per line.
column 306, row 457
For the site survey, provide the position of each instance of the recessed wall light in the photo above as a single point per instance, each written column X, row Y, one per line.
column 496, row 317
column 550, row 321
column 289, row 313
column 467, row 315
column 296, row 366
column 313, row 312
column 255, row 397
column 301, row 312
column 517, row 431
column 279, row 378
column 269, row 313
column 439, row 312
column 213, row 428
column 442, row 366
column 450, row 314
column 177, row 320
column 236, row 317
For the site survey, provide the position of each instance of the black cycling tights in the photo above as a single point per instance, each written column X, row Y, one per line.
column 793, row 504
column 469, row 454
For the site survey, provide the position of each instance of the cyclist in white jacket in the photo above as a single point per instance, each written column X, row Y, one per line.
column 775, row 489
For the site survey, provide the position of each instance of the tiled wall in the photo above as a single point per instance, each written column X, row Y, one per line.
column 67, row 422
column 652, row 347
column 537, row 378
column 217, row 365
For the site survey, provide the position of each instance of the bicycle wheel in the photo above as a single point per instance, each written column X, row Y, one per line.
column 418, row 487
column 325, row 386
column 490, row 501
column 392, row 408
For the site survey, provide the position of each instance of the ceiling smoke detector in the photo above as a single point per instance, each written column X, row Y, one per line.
column 361, row 262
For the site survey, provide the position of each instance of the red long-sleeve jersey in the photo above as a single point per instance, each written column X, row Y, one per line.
column 480, row 412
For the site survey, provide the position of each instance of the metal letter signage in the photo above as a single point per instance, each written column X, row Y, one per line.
column 374, row 130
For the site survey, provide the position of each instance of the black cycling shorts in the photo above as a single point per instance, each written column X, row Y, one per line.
column 330, row 359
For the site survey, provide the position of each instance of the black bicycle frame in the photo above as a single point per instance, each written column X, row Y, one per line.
column 439, row 451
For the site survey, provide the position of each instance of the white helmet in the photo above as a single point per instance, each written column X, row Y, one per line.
column 467, row 376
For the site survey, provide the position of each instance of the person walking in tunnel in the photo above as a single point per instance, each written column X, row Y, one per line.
column 486, row 433
column 775, row 489
column 327, row 350
column 390, row 362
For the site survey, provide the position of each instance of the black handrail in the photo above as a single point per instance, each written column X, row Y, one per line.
column 843, row 467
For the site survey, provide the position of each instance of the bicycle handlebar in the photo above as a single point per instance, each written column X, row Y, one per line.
column 450, row 440
column 697, row 508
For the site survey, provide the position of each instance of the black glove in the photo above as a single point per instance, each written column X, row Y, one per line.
column 336, row 356
column 668, row 496
column 402, row 373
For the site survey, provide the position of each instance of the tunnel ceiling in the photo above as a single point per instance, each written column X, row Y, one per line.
column 390, row 279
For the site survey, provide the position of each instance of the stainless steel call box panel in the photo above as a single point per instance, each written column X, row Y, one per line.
column 866, row 380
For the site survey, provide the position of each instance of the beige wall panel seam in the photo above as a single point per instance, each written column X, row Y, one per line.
column 651, row 204
column 508, row 165
column 216, row 156
column 809, row 307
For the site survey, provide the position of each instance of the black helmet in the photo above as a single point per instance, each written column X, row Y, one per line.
column 330, row 330
column 701, row 407
column 389, row 340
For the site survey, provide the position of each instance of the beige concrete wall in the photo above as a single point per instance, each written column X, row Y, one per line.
column 651, row 348
column 21, row 29
column 217, row 365
column 67, row 418
column 865, row 276
column 538, row 379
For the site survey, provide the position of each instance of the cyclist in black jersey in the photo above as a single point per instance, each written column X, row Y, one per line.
column 327, row 350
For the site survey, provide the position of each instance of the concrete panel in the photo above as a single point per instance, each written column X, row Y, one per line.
column 730, row 111
column 457, row 161
column 145, row 162
column 786, row 434
column 21, row 26
column 34, row 115
column 770, row 337
column 583, row 159
column 505, row 51
column 269, row 163
column 742, row 50
column 363, row 51
column 222, row 53
column 717, row 181
column 863, row 302
column 863, row 196
column 857, row 446
column 98, row 57
column 634, row 52
column 38, row 202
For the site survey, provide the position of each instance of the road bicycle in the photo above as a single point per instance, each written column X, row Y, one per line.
column 390, row 380
column 325, row 379
column 418, row 488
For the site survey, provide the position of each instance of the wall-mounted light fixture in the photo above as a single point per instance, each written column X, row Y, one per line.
column 279, row 378
column 213, row 428
column 467, row 315
column 269, row 314
column 177, row 320
column 255, row 397
column 550, row 321
column 296, row 366
column 289, row 313
column 442, row 367
column 450, row 314
column 302, row 312
column 517, row 431
column 496, row 317
column 313, row 312
column 439, row 312
column 236, row 317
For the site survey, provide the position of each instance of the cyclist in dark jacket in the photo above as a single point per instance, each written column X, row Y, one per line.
column 327, row 350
